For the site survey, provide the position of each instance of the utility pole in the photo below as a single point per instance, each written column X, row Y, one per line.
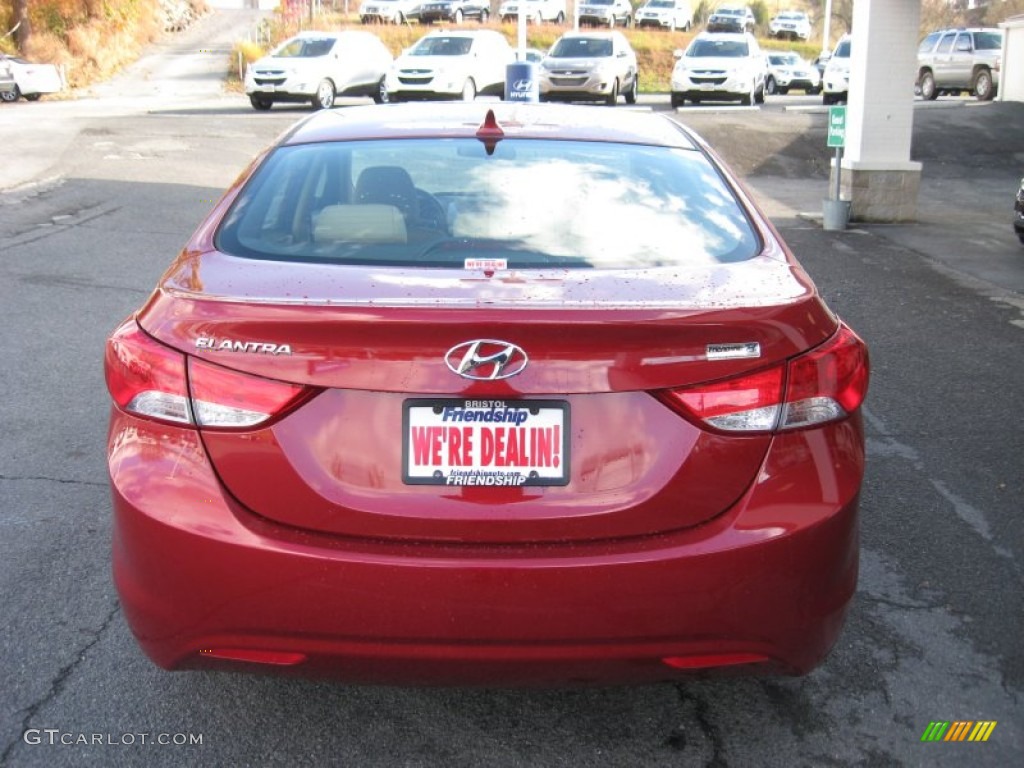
column 826, row 39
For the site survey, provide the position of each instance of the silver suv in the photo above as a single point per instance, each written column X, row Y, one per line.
column 590, row 66
column 955, row 60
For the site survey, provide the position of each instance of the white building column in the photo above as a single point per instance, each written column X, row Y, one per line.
column 1011, row 80
column 878, row 176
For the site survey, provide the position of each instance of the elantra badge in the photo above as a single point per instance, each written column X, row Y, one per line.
column 733, row 351
column 233, row 345
column 486, row 359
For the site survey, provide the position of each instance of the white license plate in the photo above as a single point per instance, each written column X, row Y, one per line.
column 265, row 88
column 485, row 442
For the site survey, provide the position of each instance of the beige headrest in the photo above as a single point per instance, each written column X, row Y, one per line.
column 359, row 224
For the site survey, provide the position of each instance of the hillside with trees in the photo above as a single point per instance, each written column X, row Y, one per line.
column 91, row 39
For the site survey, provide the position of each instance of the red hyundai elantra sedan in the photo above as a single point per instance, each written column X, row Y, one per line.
column 482, row 393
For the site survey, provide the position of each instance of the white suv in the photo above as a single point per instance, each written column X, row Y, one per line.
column 537, row 11
column 317, row 66
column 389, row 11
column 608, row 13
column 719, row 66
column 667, row 14
column 590, row 66
column 835, row 82
column 791, row 24
column 451, row 64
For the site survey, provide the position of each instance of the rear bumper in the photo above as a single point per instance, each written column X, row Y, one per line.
column 767, row 582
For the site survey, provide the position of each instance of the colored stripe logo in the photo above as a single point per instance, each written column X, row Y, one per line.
column 958, row 730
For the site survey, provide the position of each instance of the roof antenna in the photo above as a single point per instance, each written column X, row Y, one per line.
column 490, row 132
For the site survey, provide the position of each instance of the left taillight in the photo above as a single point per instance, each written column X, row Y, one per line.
column 826, row 384
column 145, row 377
column 152, row 380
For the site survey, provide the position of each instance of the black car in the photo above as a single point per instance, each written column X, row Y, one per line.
column 1018, row 212
column 454, row 10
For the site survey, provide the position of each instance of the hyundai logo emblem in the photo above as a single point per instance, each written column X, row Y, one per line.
column 486, row 359
column 522, row 85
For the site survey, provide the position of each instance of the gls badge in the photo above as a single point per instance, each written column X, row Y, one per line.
column 486, row 359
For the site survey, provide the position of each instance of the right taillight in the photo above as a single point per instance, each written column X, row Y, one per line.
column 826, row 384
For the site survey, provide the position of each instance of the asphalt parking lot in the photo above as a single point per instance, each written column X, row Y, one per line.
column 98, row 194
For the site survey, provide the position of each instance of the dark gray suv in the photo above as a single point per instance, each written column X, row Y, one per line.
column 957, row 60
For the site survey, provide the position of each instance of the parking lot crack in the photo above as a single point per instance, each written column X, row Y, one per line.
column 58, row 683
column 707, row 744
column 870, row 598
column 45, row 479
column 58, row 225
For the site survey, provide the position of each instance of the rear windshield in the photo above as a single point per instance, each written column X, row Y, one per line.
column 528, row 204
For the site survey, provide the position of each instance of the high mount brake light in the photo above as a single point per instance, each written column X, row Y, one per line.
column 152, row 380
column 826, row 384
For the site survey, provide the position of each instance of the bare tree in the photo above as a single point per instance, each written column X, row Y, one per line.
column 997, row 12
column 842, row 15
column 21, row 24
column 940, row 14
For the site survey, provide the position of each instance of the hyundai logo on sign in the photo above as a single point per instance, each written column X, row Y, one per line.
column 521, row 82
column 486, row 359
